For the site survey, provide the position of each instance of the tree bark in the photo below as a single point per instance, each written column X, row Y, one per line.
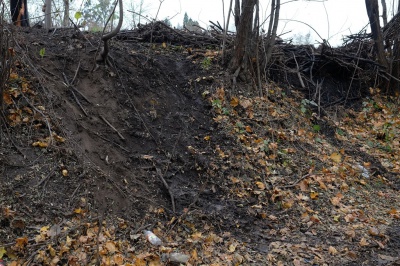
column 384, row 12
column 244, row 32
column 237, row 14
column 273, row 27
column 373, row 15
column 19, row 12
column 47, row 15
column 66, row 13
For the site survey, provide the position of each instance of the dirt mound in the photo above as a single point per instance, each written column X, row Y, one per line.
column 155, row 140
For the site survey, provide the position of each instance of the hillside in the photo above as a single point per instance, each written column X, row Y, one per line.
column 159, row 140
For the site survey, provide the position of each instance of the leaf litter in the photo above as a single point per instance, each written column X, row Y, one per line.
column 256, row 180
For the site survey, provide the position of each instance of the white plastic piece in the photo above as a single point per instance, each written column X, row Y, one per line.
column 364, row 171
column 152, row 238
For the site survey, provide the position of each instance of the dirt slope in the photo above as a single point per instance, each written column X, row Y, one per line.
column 154, row 141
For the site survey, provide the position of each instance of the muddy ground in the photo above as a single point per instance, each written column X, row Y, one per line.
column 136, row 140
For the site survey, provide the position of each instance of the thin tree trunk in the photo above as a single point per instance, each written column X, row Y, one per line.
column 272, row 35
column 373, row 15
column 237, row 14
column 384, row 12
column 66, row 13
column 226, row 31
column 47, row 18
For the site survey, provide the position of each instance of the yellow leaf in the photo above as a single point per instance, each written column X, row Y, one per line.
column 260, row 185
column 314, row 195
column 234, row 102
column 232, row 247
column 336, row 218
column 2, row 252
column 40, row 144
column 336, row 157
column 207, row 138
column 58, row 138
column 164, row 45
column 288, row 204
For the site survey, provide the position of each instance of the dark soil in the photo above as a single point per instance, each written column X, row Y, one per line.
column 135, row 134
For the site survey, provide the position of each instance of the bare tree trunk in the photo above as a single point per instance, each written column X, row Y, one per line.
column 237, row 14
column 373, row 15
column 244, row 33
column 384, row 12
column 395, row 63
column 47, row 16
column 273, row 28
column 66, row 13
column 225, row 31
column 257, row 39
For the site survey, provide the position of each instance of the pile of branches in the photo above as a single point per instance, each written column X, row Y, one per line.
column 159, row 32
column 329, row 75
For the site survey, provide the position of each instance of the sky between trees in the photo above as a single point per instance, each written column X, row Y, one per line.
column 331, row 18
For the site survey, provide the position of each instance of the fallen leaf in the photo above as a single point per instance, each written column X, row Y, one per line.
column 332, row 250
column 232, row 247
column 352, row 255
column 373, row 231
column 314, row 195
column 336, row 157
column 110, row 246
column 363, row 242
column 260, row 185
column 234, row 101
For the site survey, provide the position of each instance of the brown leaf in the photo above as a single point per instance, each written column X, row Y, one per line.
column 110, row 246
column 245, row 103
column 332, row 250
column 7, row 99
column 363, row 242
column 336, row 157
column 373, row 231
column 352, row 255
column 234, row 101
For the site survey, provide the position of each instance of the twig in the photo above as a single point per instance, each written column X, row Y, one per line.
column 49, row 72
column 76, row 72
column 298, row 71
column 77, row 28
column 108, row 123
column 295, row 183
column 112, row 142
column 69, row 85
column 45, row 178
column 79, row 103
column 167, row 187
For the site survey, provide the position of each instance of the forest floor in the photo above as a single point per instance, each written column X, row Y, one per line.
column 160, row 141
